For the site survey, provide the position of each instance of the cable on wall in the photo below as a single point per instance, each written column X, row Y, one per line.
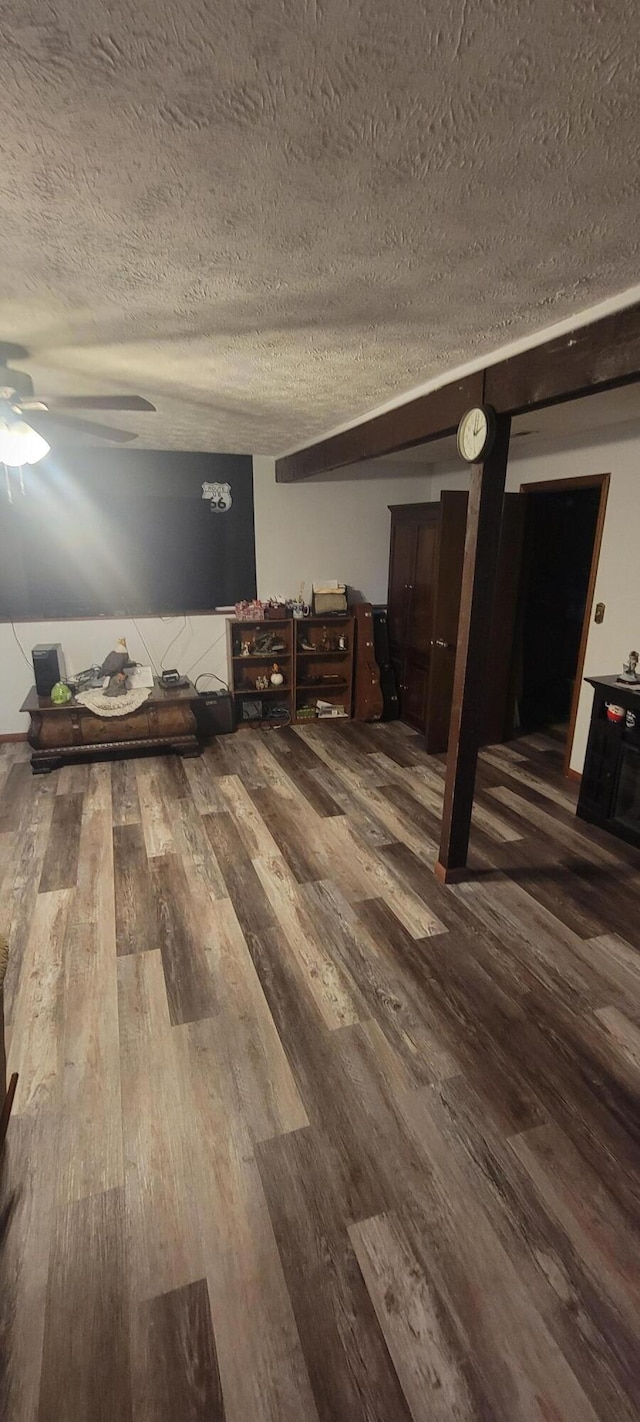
column 152, row 659
column 29, row 663
column 204, row 654
column 174, row 639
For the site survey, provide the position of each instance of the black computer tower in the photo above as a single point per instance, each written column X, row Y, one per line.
column 48, row 666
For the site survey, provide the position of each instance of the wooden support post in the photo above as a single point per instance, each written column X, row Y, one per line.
column 484, row 517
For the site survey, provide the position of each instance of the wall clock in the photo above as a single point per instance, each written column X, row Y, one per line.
column 476, row 433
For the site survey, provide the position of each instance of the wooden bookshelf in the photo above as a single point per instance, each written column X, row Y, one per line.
column 319, row 670
column 322, row 669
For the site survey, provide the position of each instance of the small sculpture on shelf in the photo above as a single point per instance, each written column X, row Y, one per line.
column 245, row 648
column 262, row 683
column 113, row 667
column 276, row 677
column 266, row 643
column 630, row 668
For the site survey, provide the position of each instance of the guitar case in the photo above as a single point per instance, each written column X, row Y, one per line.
column 368, row 703
column 391, row 708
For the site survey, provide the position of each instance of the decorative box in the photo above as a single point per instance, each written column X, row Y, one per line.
column 330, row 599
column 250, row 611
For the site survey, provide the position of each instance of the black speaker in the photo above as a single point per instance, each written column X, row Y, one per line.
column 48, row 666
column 214, row 713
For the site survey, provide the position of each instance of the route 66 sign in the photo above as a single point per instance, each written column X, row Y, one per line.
column 220, row 496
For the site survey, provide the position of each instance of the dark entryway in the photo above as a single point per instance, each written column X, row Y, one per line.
column 562, row 529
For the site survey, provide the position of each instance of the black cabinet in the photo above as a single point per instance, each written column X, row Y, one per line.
column 610, row 787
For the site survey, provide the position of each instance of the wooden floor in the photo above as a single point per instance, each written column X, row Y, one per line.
column 300, row 1134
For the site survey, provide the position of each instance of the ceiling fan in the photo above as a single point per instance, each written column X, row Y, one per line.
column 27, row 420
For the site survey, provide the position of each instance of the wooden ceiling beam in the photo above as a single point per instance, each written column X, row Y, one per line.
column 417, row 422
column 583, row 361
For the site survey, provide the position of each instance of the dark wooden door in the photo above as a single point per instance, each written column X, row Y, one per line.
column 422, row 587
column 401, row 576
column 425, row 581
column 447, row 583
column 397, row 662
column 420, row 613
column 414, row 691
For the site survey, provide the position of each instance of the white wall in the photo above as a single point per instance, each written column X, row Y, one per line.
column 618, row 581
column 335, row 529
column 303, row 534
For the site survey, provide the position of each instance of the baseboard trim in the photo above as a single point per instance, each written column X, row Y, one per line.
column 11, row 736
column 574, row 774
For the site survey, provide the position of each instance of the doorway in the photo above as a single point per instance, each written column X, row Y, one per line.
column 563, row 524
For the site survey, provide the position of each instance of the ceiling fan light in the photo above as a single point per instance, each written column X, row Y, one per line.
column 20, row 444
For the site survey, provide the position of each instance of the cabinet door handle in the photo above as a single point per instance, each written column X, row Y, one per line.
column 448, row 646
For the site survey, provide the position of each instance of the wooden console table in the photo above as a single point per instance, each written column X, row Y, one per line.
column 165, row 721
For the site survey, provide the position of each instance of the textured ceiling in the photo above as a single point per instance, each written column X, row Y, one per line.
column 270, row 217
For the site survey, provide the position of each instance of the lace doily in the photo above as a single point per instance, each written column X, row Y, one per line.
column 102, row 705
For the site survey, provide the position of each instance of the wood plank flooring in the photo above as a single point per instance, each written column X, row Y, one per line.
column 300, row 1135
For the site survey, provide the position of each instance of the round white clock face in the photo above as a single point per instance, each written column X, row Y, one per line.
column 472, row 434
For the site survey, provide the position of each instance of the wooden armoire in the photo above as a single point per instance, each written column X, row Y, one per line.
column 425, row 579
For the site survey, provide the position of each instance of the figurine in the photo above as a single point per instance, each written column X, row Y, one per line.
column 276, row 677
column 118, row 685
column 342, row 643
column 116, row 660
column 262, row 683
column 245, row 649
column 60, row 693
column 630, row 668
column 113, row 667
column 265, row 643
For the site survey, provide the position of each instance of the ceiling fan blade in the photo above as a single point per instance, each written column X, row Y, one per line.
column 89, row 402
column 42, row 421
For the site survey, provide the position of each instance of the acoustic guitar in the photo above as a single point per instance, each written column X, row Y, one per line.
column 368, row 704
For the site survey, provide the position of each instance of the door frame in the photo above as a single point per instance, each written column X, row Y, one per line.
column 582, row 481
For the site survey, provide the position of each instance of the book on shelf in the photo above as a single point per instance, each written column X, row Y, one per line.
column 325, row 710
